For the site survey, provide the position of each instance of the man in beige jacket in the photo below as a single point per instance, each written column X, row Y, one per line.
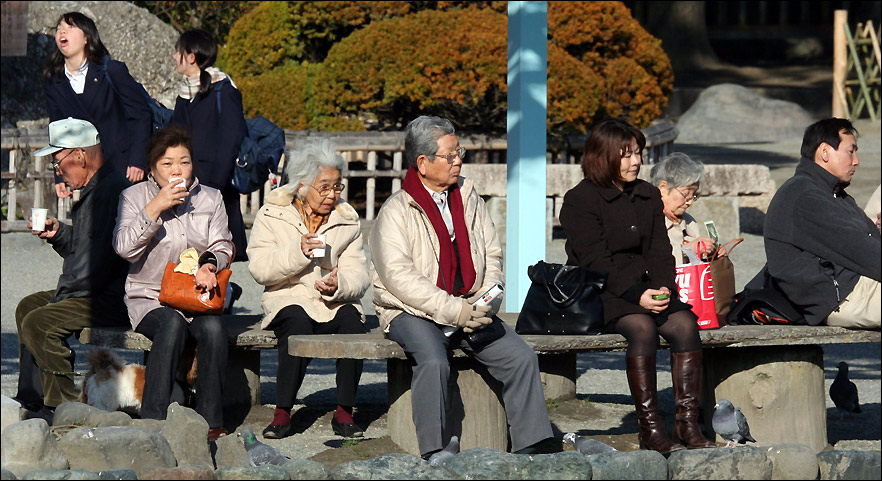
column 435, row 251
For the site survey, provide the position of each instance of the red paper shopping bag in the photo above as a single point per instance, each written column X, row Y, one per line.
column 696, row 287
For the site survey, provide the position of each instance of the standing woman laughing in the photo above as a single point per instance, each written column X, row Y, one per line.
column 81, row 81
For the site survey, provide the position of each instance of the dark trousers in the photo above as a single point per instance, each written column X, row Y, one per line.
column 43, row 330
column 170, row 333
column 293, row 321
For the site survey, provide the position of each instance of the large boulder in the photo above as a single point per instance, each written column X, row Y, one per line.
column 131, row 34
column 117, row 447
column 732, row 113
column 30, row 446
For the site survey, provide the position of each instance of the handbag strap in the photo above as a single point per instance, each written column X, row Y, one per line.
column 733, row 242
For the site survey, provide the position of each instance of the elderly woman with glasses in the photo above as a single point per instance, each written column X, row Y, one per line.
column 678, row 178
column 311, row 286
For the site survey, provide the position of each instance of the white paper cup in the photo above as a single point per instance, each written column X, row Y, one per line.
column 38, row 219
column 176, row 180
column 320, row 252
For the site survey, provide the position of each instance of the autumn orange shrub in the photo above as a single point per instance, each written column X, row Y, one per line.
column 448, row 63
column 637, row 74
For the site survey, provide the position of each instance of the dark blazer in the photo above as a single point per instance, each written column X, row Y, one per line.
column 217, row 123
column 123, row 120
column 622, row 234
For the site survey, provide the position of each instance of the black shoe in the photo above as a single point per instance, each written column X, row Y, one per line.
column 45, row 413
column 278, row 431
column 347, row 430
column 546, row 446
column 28, row 405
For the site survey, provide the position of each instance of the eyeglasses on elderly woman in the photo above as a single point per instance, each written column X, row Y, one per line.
column 325, row 189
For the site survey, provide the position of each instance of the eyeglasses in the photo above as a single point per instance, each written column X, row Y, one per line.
column 460, row 152
column 57, row 162
column 694, row 197
column 326, row 189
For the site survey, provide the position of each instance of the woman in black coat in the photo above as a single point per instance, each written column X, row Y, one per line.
column 210, row 106
column 82, row 82
column 615, row 223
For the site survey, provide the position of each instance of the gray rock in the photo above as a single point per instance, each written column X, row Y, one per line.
column 268, row 471
column 231, row 453
column 113, row 474
column 6, row 474
column 117, row 447
column 392, row 466
column 732, row 113
column 131, row 34
column 629, row 465
column 850, row 464
column 566, row 465
column 305, row 469
column 486, row 463
column 29, row 446
column 181, row 472
column 793, row 461
column 742, row 462
column 187, row 433
column 151, row 424
column 80, row 414
column 11, row 412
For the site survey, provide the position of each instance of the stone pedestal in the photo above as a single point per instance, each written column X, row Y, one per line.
column 480, row 422
column 558, row 375
column 780, row 391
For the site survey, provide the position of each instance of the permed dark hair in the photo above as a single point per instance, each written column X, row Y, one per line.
column 162, row 140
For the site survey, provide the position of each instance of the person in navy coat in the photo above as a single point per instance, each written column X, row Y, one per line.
column 210, row 106
column 81, row 81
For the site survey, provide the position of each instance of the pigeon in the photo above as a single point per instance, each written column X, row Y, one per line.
column 442, row 457
column 260, row 454
column 729, row 422
column 844, row 393
column 587, row 446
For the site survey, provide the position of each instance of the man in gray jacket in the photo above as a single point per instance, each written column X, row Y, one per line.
column 435, row 252
column 90, row 289
column 823, row 252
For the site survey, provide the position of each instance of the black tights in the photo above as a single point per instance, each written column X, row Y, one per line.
column 641, row 331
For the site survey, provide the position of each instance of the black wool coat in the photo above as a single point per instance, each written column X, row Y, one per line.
column 217, row 123
column 622, row 234
column 120, row 113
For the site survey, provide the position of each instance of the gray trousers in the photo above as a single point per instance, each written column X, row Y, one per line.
column 508, row 359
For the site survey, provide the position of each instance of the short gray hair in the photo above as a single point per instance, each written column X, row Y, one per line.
column 421, row 137
column 304, row 161
column 677, row 169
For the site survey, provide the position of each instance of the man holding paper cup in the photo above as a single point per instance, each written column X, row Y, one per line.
column 90, row 288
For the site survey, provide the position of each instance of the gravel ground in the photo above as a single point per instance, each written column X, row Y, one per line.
column 28, row 265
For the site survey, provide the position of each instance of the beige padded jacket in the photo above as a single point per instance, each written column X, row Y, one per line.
column 404, row 253
column 276, row 261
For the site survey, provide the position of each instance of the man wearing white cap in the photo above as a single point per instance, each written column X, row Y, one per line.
column 91, row 286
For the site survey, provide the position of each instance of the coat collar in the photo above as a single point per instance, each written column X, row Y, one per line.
column 815, row 171
column 641, row 189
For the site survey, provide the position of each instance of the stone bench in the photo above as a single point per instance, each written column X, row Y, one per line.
column 775, row 374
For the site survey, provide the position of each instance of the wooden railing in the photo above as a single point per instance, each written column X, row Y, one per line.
column 370, row 155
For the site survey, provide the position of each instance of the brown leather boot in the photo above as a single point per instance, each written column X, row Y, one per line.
column 686, row 372
column 642, row 381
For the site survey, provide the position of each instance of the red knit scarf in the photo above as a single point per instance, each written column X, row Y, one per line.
column 447, row 271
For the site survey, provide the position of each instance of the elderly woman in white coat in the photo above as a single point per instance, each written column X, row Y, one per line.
column 308, row 292
column 157, row 221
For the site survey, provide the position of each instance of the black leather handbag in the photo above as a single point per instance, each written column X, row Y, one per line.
column 562, row 300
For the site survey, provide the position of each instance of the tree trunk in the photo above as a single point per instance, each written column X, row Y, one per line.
column 682, row 28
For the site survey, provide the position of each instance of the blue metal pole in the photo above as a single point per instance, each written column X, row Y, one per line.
column 527, row 95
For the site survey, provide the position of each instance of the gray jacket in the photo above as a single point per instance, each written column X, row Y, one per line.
column 200, row 222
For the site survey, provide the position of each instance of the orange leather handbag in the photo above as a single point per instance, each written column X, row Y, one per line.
column 179, row 291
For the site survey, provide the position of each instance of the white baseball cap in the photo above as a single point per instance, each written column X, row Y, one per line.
column 69, row 133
